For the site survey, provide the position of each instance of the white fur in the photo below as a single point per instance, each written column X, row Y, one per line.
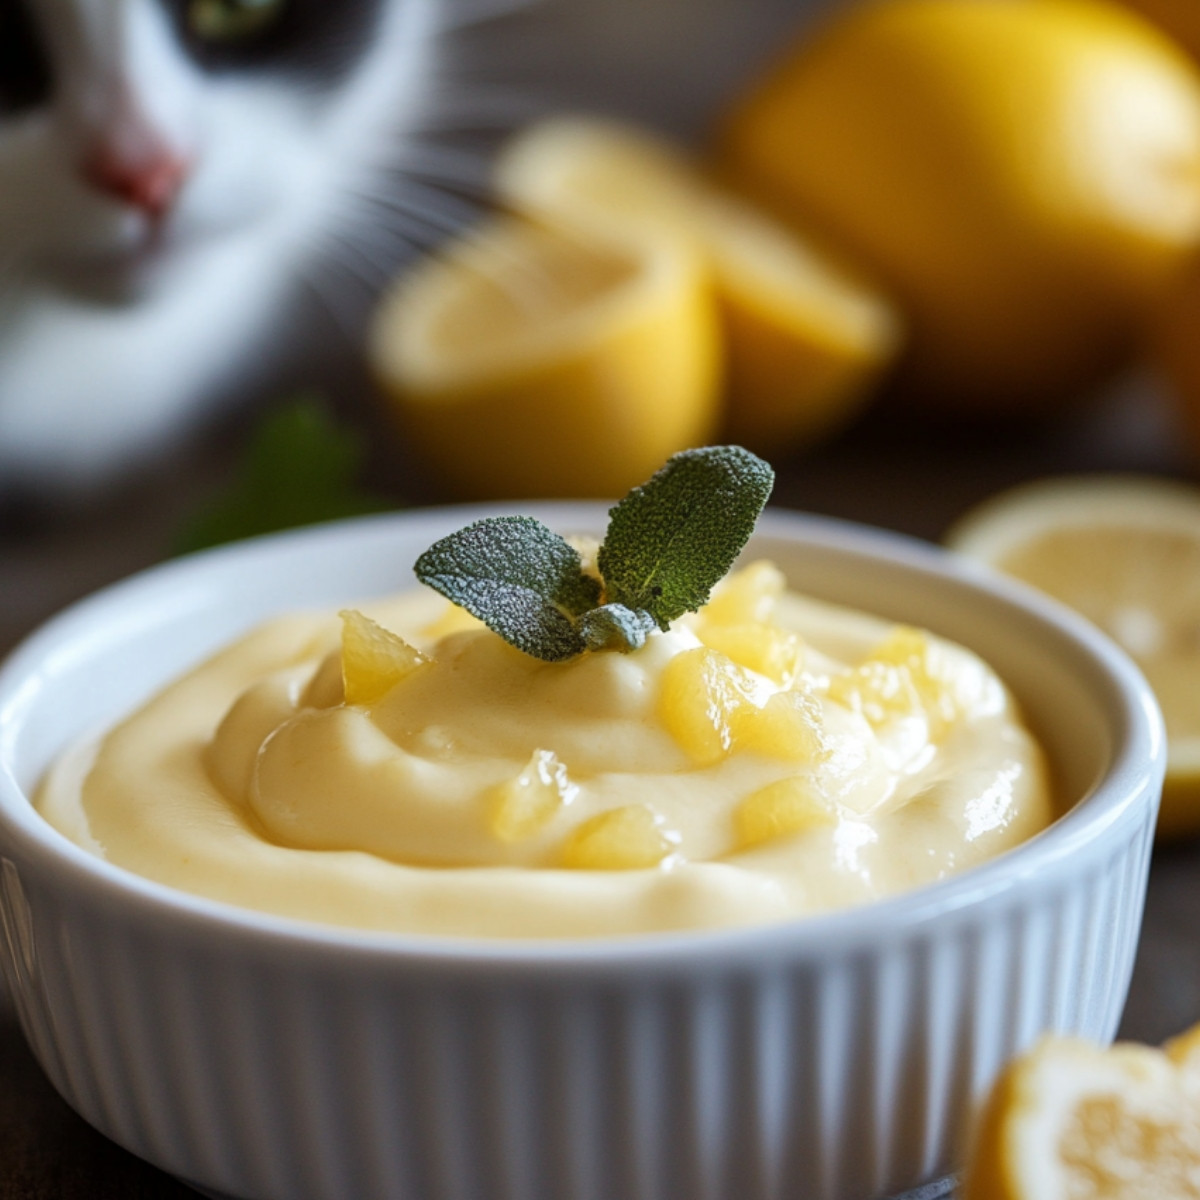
column 111, row 339
column 112, row 346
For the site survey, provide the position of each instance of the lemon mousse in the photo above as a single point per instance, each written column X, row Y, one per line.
column 409, row 770
column 573, row 739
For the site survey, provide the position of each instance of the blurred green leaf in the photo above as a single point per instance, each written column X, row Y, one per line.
column 300, row 467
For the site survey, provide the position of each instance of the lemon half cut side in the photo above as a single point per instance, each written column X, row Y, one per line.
column 538, row 359
column 805, row 337
column 1069, row 1120
column 1123, row 550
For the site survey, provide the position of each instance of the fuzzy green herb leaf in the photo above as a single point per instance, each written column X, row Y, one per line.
column 671, row 539
column 301, row 466
column 523, row 581
column 615, row 627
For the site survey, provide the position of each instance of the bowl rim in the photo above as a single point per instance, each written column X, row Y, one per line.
column 1072, row 843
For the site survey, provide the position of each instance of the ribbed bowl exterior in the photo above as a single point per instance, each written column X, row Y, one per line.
column 838, row 1058
column 820, row 1076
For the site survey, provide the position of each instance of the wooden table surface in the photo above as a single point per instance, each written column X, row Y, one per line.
column 914, row 477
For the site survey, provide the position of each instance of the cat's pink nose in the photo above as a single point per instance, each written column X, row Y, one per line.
column 150, row 182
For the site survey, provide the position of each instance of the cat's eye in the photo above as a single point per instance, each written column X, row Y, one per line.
column 224, row 22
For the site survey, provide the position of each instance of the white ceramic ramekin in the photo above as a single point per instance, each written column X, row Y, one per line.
column 828, row 1059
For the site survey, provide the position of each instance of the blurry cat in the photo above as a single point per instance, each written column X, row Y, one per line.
column 172, row 172
column 181, row 179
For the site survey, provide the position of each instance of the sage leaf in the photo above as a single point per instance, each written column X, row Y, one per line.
column 300, row 466
column 525, row 582
column 671, row 539
column 615, row 627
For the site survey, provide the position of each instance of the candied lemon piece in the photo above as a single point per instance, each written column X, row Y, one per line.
column 711, row 706
column 374, row 659
column 881, row 691
column 1069, row 1120
column 787, row 726
column 775, row 653
column 528, row 802
column 933, row 679
column 749, row 596
column 622, row 839
column 701, row 692
column 781, row 809
column 904, row 676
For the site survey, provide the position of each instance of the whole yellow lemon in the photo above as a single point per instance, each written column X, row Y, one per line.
column 1022, row 174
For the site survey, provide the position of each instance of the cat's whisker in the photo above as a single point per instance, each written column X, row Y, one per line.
column 453, row 207
column 341, row 288
column 439, row 217
column 373, row 252
column 315, row 284
column 351, row 93
column 417, row 221
column 523, row 278
column 373, row 273
column 392, row 241
column 478, row 195
column 393, row 249
column 528, row 285
column 443, row 164
column 469, row 192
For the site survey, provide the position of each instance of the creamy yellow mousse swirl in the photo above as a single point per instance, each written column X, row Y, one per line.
column 408, row 770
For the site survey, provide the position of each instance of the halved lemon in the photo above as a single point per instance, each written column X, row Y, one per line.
column 536, row 359
column 1125, row 552
column 1069, row 1120
column 805, row 338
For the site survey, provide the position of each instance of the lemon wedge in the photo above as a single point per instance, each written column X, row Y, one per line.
column 805, row 338
column 535, row 359
column 1071, row 1120
column 1125, row 552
